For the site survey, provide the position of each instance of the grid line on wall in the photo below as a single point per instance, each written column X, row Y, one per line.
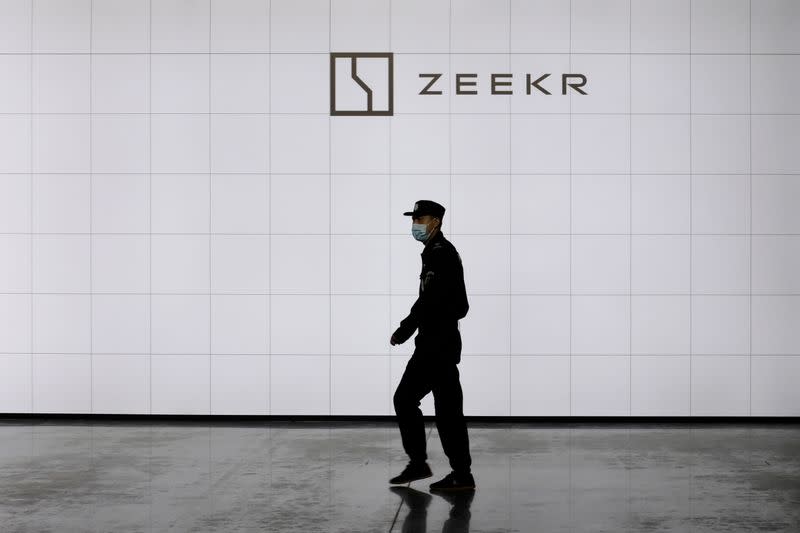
column 510, row 218
column 269, row 210
column 324, row 52
column 750, row 221
column 630, row 221
column 389, row 210
column 471, row 354
column 562, row 173
column 399, row 113
column 691, row 299
column 210, row 217
column 91, row 169
column 570, row 235
column 745, row 234
column 150, row 201
column 30, row 229
column 410, row 293
column 330, row 227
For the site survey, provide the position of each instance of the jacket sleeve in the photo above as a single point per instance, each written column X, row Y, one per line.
column 410, row 323
column 442, row 296
column 458, row 302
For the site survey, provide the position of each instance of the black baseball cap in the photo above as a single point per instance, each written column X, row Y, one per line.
column 426, row 207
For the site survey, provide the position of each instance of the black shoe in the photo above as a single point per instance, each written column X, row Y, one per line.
column 412, row 472
column 454, row 481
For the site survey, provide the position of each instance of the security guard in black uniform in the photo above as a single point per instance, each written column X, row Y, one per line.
column 441, row 302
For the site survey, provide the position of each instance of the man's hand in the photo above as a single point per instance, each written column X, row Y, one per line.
column 401, row 334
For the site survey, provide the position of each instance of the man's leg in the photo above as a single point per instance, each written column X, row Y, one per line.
column 413, row 386
column 450, row 422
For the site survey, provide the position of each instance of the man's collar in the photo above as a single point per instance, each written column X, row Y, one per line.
column 436, row 238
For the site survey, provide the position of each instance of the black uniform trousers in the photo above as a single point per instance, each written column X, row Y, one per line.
column 424, row 374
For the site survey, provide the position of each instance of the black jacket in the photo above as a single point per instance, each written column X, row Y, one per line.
column 441, row 302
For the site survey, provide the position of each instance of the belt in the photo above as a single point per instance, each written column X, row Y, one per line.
column 438, row 327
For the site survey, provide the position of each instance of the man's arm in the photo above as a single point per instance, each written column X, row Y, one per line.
column 409, row 324
column 459, row 304
column 442, row 296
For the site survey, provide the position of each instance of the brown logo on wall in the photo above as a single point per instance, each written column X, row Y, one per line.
column 362, row 83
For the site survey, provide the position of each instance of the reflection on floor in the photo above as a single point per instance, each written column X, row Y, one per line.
column 58, row 475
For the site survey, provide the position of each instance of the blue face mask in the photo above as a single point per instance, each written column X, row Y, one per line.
column 419, row 231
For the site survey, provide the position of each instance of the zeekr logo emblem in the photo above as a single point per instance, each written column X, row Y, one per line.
column 362, row 83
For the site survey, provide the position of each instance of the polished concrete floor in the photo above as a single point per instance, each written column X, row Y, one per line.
column 65, row 476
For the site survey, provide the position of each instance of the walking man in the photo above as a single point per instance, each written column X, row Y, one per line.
column 441, row 302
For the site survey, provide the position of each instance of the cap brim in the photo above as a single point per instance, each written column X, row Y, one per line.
column 409, row 213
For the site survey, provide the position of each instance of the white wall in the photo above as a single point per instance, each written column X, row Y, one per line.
column 185, row 229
